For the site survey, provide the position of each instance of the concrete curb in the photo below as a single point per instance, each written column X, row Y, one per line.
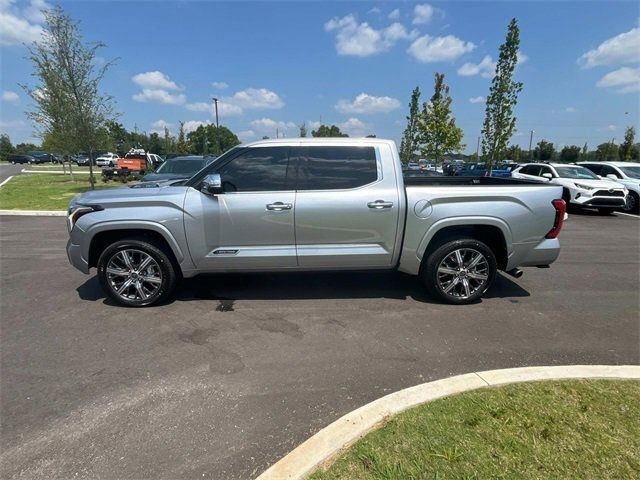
column 34, row 213
column 331, row 440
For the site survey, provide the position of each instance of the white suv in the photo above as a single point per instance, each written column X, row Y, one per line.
column 582, row 187
column 107, row 160
column 626, row 173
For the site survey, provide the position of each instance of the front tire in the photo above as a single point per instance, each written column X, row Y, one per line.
column 136, row 273
column 460, row 271
column 633, row 203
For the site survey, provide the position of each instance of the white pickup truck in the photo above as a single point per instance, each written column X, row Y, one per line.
column 314, row 204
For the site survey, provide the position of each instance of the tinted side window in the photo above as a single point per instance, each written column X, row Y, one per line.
column 607, row 170
column 332, row 168
column 545, row 170
column 258, row 169
column 594, row 168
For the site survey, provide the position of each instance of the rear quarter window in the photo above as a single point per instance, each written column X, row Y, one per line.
column 335, row 168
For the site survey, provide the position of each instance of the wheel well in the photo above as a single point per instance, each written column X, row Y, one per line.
column 103, row 239
column 488, row 234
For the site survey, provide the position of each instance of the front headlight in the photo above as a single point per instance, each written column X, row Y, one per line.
column 584, row 187
column 76, row 211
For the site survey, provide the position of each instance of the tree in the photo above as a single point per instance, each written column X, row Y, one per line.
column 514, row 152
column 409, row 142
column 499, row 121
column 607, row 151
column 437, row 131
column 326, row 131
column 303, row 130
column 544, row 151
column 181, row 145
column 69, row 107
column 626, row 149
column 26, row 147
column 217, row 139
column 585, row 151
column 6, row 147
column 570, row 153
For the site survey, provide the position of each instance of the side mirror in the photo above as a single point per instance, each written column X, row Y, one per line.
column 212, row 184
column 611, row 176
column 548, row 176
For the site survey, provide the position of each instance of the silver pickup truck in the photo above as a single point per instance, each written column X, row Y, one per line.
column 314, row 204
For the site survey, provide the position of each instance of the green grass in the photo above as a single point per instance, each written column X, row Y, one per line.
column 58, row 168
column 44, row 192
column 545, row 430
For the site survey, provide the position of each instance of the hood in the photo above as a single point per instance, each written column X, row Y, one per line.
column 603, row 184
column 155, row 177
column 125, row 196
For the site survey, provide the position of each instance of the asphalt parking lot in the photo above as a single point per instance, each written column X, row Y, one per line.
column 240, row 369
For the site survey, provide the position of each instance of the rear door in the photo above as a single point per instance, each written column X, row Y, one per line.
column 346, row 207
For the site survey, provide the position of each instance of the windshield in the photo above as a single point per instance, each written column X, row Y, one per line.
column 186, row 167
column 576, row 172
column 631, row 172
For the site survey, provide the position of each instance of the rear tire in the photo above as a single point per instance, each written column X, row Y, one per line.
column 136, row 273
column 459, row 271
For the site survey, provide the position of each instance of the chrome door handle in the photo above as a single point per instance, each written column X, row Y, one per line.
column 380, row 204
column 279, row 206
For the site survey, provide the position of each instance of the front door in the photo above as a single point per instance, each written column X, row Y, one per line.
column 346, row 209
column 251, row 225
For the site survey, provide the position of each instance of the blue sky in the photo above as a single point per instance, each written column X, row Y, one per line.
column 277, row 64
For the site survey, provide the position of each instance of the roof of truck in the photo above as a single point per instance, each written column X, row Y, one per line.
column 318, row 141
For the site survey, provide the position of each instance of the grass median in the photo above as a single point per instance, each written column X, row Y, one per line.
column 45, row 192
column 566, row 429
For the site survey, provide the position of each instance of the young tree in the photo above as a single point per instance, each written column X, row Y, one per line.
column 570, row 153
column 6, row 147
column 499, row 121
column 409, row 142
column 437, row 130
column 607, row 151
column 69, row 107
column 585, row 151
column 544, row 151
column 626, row 148
column 326, row 131
column 181, row 145
column 514, row 152
column 303, row 130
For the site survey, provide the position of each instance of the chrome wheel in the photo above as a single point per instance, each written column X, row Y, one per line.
column 133, row 274
column 463, row 272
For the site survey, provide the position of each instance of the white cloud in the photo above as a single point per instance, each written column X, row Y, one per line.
column 427, row 49
column 354, row 127
column 486, row 68
column 267, row 126
column 313, row 125
column 227, row 109
column 256, row 99
column 422, row 14
column 395, row 14
column 374, row 11
column 623, row 80
column 570, row 110
column 478, row 99
column 21, row 25
column 521, row 58
column 246, row 135
column 159, row 125
column 220, row 85
column 160, row 96
column 621, row 49
column 10, row 97
column 362, row 40
column 365, row 103
column 155, row 80
column 199, row 107
column 191, row 125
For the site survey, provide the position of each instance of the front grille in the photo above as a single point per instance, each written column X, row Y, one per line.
column 607, row 193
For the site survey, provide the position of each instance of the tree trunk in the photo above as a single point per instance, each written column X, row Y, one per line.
column 91, row 182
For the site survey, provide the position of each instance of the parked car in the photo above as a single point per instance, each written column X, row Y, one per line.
column 178, row 167
column 107, row 160
column 626, row 173
column 314, row 204
column 41, row 157
column 580, row 186
column 20, row 158
column 82, row 160
column 413, row 166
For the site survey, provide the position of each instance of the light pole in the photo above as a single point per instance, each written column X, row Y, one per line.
column 478, row 151
column 215, row 101
column 530, row 143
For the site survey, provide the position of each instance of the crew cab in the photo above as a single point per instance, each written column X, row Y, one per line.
column 314, row 204
column 580, row 186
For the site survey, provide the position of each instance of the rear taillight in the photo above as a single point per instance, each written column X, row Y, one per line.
column 561, row 210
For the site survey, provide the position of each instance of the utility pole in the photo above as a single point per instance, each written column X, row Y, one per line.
column 478, row 151
column 215, row 101
column 530, row 143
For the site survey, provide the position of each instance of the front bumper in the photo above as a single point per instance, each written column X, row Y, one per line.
column 74, row 253
column 586, row 200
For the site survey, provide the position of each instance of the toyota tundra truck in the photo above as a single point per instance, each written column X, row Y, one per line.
column 314, row 205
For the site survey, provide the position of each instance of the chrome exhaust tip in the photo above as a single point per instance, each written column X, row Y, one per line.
column 515, row 272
